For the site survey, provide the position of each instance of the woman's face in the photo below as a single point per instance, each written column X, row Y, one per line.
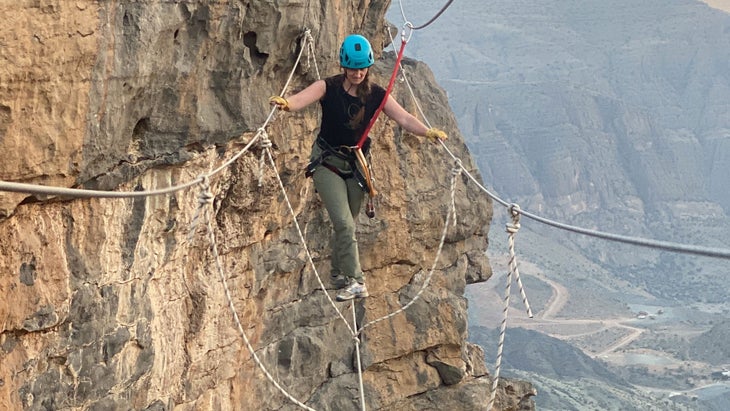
column 356, row 76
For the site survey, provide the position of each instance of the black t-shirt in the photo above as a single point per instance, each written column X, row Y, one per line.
column 338, row 109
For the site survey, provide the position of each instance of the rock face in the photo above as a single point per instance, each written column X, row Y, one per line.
column 119, row 303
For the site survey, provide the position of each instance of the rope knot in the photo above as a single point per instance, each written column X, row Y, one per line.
column 205, row 196
column 458, row 167
column 514, row 226
column 264, row 142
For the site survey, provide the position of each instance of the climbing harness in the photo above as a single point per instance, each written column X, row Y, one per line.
column 348, row 154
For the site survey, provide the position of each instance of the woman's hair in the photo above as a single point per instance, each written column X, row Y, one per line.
column 363, row 91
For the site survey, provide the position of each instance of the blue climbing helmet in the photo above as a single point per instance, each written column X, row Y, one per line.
column 356, row 52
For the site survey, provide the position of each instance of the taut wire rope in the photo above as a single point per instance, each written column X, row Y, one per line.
column 644, row 242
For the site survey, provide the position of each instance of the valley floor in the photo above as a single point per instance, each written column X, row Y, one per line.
column 642, row 344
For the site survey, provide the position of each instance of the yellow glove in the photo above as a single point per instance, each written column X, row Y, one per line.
column 434, row 134
column 279, row 102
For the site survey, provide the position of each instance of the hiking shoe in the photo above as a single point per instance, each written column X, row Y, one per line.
column 354, row 290
column 338, row 281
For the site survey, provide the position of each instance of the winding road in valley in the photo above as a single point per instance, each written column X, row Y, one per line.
column 556, row 303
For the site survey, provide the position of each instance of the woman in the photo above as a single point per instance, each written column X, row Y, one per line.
column 348, row 103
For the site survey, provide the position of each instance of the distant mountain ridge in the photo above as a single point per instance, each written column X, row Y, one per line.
column 609, row 115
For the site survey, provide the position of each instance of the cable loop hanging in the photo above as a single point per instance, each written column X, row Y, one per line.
column 443, row 9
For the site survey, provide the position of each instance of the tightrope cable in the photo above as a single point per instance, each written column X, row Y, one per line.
column 644, row 242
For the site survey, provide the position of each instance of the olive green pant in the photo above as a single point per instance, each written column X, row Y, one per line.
column 343, row 200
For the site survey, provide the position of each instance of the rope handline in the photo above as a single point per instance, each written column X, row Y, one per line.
column 83, row 193
column 305, row 38
column 302, row 239
column 310, row 52
column 231, row 305
column 665, row 245
column 206, row 198
column 500, row 344
column 451, row 212
column 443, row 9
column 264, row 145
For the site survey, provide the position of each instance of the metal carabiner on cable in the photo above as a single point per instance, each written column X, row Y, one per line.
column 407, row 25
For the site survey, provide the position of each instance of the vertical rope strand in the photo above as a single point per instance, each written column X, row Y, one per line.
column 512, row 229
column 231, row 305
column 301, row 238
column 502, row 332
column 451, row 212
column 359, row 361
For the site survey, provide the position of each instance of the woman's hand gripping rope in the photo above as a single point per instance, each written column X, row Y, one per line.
column 434, row 134
column 280, row 102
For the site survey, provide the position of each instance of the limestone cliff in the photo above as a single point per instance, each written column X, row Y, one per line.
column 110, row 304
